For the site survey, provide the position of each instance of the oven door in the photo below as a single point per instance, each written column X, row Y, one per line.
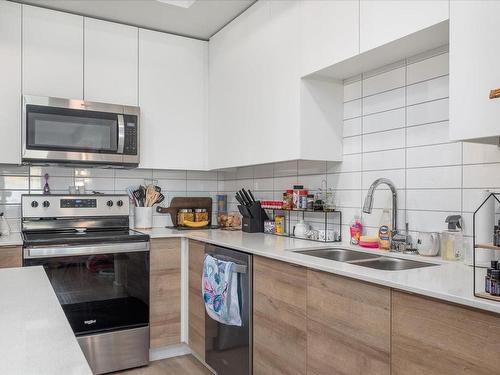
column 101, row 287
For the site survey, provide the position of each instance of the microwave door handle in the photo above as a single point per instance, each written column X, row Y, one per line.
column 121, row 133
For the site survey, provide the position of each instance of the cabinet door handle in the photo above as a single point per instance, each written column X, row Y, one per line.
column 495, row 94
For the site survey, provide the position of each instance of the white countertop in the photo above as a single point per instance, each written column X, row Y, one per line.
column 36, row 337
column 14, row 239
column 450, row 281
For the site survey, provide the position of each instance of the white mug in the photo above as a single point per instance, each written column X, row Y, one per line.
column 428, row 243
column 300, row 229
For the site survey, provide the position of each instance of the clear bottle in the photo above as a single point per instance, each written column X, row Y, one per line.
column 452, row 239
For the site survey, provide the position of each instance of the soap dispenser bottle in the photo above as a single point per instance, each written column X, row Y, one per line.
column 452, row 239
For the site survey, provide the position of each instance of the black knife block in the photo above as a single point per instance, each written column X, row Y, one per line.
column 253, row 218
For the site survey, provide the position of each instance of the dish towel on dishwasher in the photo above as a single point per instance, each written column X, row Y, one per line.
column 220, row 291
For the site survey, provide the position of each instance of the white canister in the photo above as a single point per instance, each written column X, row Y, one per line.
column 143, row 217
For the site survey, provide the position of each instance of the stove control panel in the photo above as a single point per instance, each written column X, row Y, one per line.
column 74, row 206
column 78, row 203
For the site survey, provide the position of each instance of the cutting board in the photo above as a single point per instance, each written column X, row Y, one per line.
column 186, row 202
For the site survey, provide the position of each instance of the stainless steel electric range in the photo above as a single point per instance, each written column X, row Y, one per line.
column 99, row 269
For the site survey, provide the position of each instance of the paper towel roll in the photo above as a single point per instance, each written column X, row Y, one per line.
column 485, row 223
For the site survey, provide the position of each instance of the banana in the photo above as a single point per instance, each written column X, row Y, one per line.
column 193, row 224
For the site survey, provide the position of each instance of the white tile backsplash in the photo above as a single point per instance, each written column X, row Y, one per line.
column 435, row 155
column 424, row 113
column 352, row 127
column 427, row 69
column 384, row 121
column 435, row 177
column 385, row 101
column 390, row 80
column 437, row 88
column 429, row 134
column 386, row 140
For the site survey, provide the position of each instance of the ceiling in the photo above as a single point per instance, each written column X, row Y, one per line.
column 200, row 20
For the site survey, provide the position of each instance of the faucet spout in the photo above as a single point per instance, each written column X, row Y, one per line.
column 368, row 204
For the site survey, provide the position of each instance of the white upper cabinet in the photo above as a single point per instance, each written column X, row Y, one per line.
column 173, row 74
column 255, row 87
column 52, row 53
column 474, row 72
column 330, row 33
column 10, row 78
column 260, row 111
column 382, row 21
column 111, row 66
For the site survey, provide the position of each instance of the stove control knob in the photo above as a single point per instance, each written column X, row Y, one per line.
column 109, row 203
column 119, row 203
column 34, row 204
column 46, row 204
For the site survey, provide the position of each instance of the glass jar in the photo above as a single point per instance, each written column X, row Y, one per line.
column 200, row 214
column 183, row 215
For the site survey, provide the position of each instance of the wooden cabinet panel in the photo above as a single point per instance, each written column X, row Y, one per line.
column 10, row 78
column 196, row 305
column 52, row 53
column 348, row 326
column 11, row 256
column 165, row 292
column 431, row 337
column 111, row 62
column 279, row 318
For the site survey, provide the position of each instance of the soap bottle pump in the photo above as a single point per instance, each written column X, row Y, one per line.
column 452, row 239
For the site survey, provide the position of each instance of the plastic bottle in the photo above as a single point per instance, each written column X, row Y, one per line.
column 356, row 229
column 384, row 231
column 4, row 226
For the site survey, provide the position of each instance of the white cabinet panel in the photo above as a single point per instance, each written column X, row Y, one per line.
column 382, row 21
column 52, row 53
column 330, row 33
column 173, row 73
column 111, row 65
column 255, row 87
column 10, row 78
column 474, row 56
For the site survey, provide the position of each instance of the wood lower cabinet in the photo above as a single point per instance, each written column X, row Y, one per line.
column 348, row 326
column 11, row 256
column 279, row 318
column 165, row 292
column 196, row 305
column 432, row 337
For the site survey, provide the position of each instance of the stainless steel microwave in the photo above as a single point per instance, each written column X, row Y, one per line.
column 56, row 130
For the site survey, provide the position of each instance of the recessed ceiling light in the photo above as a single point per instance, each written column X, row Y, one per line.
column 178, row 3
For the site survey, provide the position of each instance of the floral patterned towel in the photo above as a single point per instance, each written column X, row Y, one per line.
column 220, row 291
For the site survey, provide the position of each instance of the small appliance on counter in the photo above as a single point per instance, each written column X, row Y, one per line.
column 99, row 270
column 188, row 213
column 253, row 214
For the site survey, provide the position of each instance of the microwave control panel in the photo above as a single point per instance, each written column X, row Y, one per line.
column 131, row 135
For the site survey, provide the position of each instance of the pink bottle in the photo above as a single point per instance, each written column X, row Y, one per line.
column 356, row 228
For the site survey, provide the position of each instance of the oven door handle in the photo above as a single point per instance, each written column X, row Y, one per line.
column 63, row 250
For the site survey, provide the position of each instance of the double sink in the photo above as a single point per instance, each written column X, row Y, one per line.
column 358, row 258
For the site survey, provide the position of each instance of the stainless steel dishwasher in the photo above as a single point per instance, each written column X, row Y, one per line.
column 228, row 349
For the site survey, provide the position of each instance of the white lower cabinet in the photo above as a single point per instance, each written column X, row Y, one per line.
column 173, row 74
column 474, row 72
column 10, row 78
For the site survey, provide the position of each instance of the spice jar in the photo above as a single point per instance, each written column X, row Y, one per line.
column 183, row 215
column 288, row 199
column 495, row 283
column 200, row 214
column 310, row 201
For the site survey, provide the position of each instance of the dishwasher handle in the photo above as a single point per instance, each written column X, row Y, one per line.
column 238, row 267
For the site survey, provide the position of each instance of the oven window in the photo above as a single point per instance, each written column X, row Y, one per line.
column 100, row 292
column 71, row 130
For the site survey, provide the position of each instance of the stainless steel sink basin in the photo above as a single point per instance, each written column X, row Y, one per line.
column 340, row 255
column 392, row 264
column 358, row 258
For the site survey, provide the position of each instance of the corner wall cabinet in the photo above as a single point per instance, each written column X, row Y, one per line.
column 474, row 73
